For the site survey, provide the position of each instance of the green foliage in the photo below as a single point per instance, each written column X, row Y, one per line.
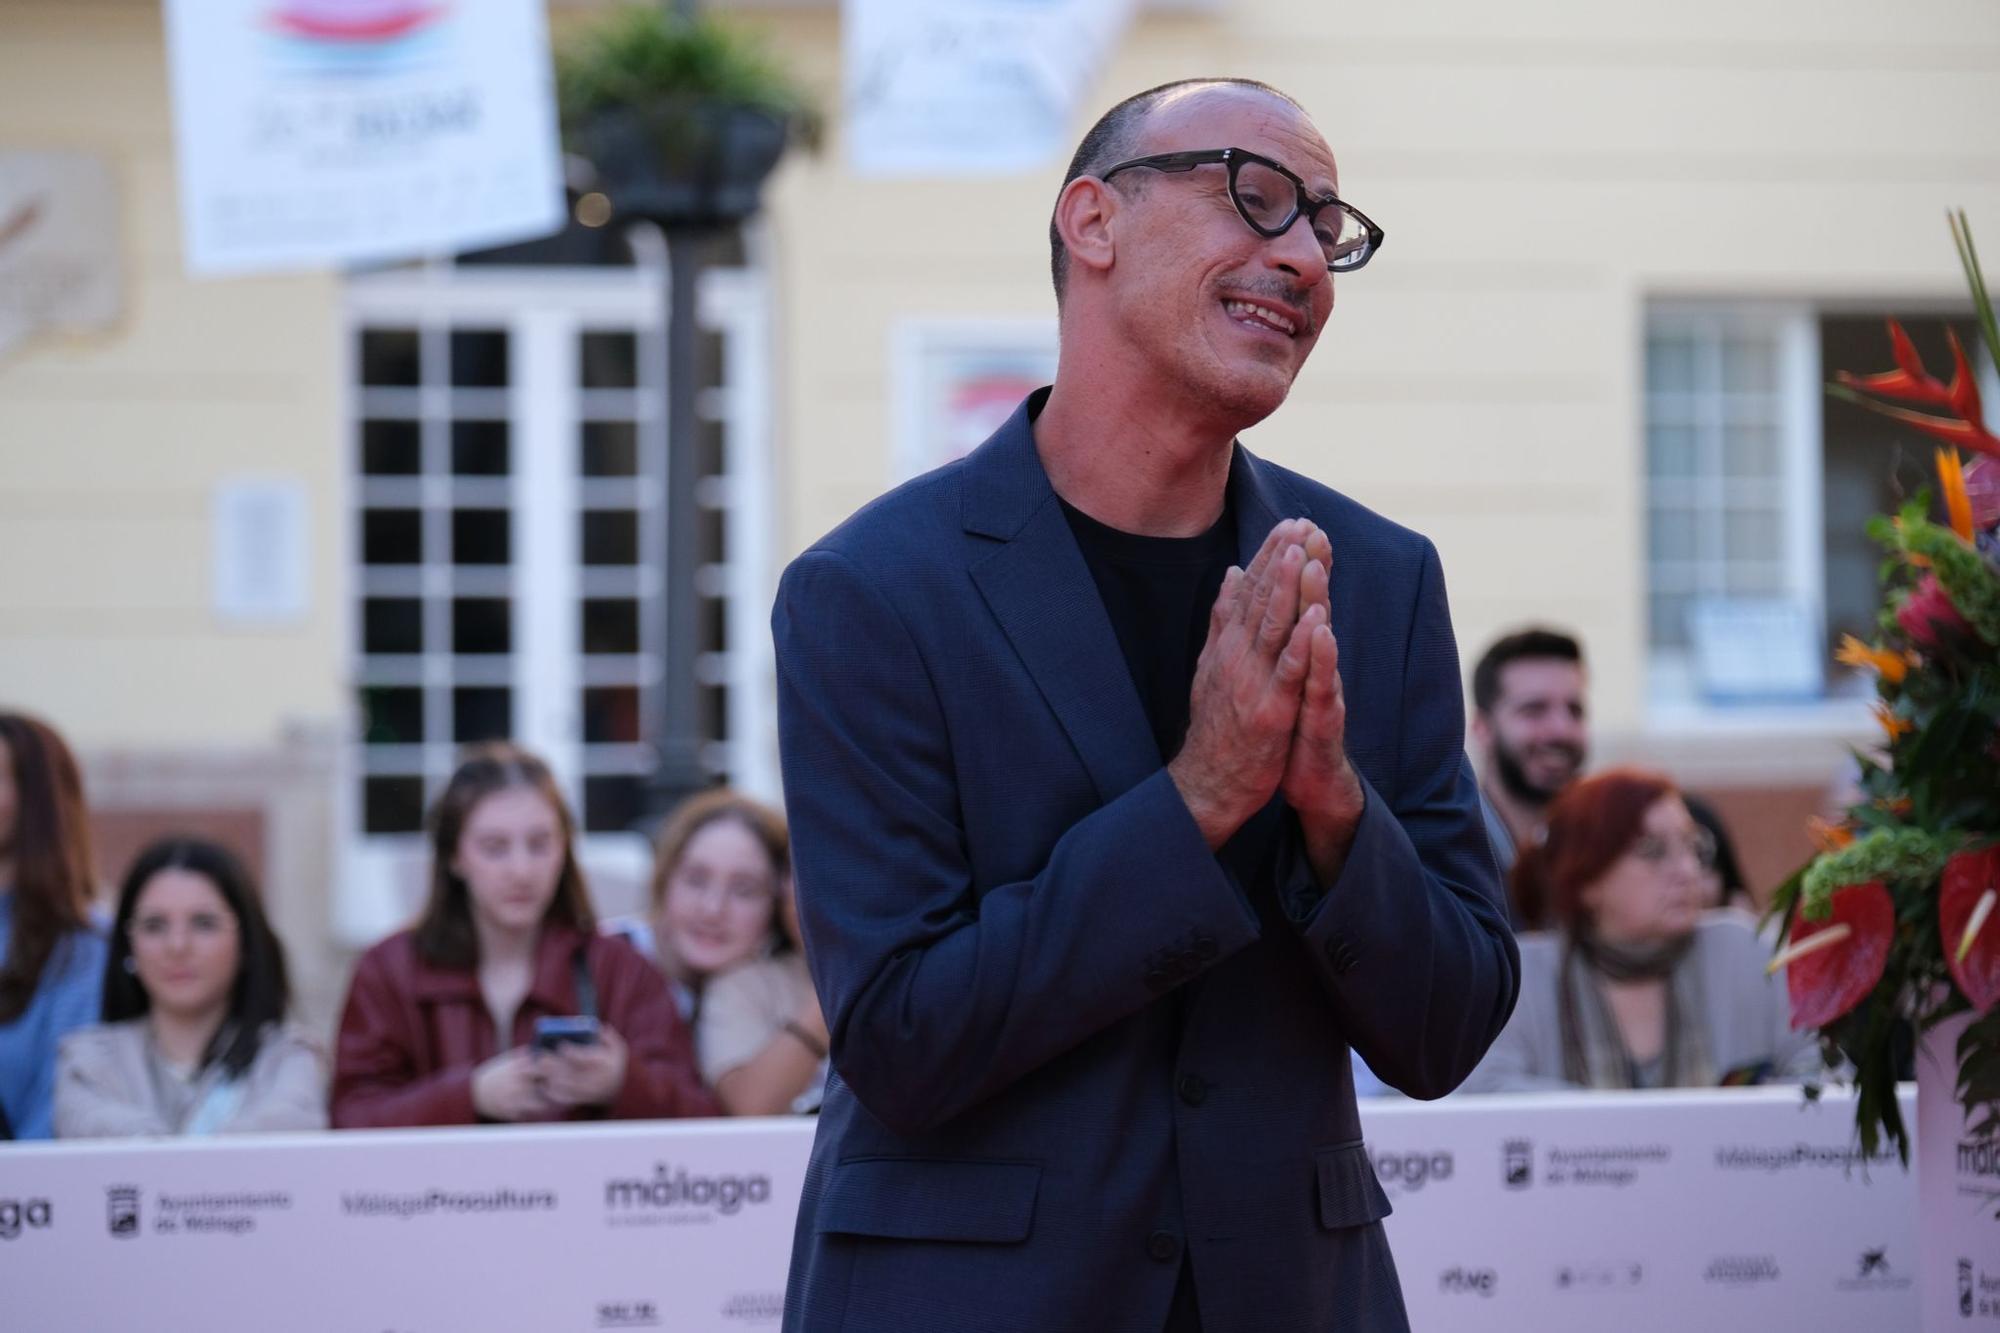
column 639, row 55
column 1896, row 856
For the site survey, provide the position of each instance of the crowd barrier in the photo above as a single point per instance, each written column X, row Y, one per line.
column 1739, row 1210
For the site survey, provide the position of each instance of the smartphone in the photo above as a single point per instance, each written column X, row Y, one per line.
column 554, row 1033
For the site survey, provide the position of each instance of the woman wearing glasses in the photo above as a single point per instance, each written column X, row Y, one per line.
column 194, row 1039
column 1637, row 987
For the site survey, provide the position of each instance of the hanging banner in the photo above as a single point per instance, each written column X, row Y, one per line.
column 970, row 87
column 314, row 133
column 59, row 265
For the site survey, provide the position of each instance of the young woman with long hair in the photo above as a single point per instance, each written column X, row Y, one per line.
column 441, row 1025
column 51, row 951
column 194, row 1039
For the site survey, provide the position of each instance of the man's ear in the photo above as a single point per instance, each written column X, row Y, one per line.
column 1482, row 730
column 1084, row 215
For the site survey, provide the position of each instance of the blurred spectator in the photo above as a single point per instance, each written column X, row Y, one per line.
column 725, row 929
column 51, row 951
column 1532, row 725
column 507, row 941
column 195, row 994
column 1638, row 988
column 1722, row 883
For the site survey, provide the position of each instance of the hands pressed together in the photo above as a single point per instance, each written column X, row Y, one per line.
column 526, row 1084
column 1267, row 713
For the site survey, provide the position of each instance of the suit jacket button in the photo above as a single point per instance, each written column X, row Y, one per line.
column 1164, row 1246
column 1205, row 947
column 1193, row 1089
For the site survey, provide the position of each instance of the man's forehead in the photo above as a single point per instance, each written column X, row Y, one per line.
column 1539, row 678
column 1234, row 116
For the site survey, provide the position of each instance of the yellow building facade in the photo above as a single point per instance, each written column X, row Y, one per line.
column 1625, row 244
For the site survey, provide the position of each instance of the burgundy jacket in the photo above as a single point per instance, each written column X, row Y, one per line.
column 412, row 1034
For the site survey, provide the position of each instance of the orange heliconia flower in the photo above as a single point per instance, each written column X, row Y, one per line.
column 1891, row 667
column 1895, row 728
column 1957, row 503
column 1826, row 835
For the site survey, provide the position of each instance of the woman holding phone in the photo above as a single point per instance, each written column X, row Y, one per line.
column 506, row 941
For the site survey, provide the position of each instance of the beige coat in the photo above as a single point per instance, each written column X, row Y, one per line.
column 112, row 1083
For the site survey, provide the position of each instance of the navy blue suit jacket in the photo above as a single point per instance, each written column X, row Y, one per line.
column 1000, row 886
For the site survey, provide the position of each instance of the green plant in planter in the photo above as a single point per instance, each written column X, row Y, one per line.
column 682, row 117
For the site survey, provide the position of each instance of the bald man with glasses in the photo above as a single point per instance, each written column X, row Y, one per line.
column 1127, row 780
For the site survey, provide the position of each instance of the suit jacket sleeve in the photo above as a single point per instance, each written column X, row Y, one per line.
column 377, row 1083
column 937, row 996
column 1411, row 942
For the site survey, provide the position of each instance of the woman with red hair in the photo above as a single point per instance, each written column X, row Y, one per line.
column 1637, row 987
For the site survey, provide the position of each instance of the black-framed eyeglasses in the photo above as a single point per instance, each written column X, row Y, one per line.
column 1271, row 199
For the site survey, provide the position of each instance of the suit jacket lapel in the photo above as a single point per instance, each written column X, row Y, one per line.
column 1040, row 590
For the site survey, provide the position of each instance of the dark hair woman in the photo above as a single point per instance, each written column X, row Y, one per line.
column 193, row 1040
column 441, row 1020
column 51, row 952
column 1637, row 987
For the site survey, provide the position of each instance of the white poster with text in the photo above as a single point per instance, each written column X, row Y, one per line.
column 970, row 87
column 317, row 133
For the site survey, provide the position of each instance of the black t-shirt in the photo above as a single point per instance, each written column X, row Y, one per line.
column 1158, row 592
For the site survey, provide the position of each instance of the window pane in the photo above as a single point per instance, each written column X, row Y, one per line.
column 709, row 524
column 1748, row 580
column 392, row 536
column 479, row 448
column 479, row 536
column 392, row 625
column 391, row 448
column 390, row 357
column 1750, row 451
column 482, row 714
column 1750, row 534
column 1669, row 364
column 479, row 358
column 1671, row 535
column 610, row 625
column 611, row 715
column 610, row 361
column 1669, row 620
column 610, row 449
column 1749, row 365
column 1670, row 451
column 481, row 625
column 612, row 803
column 392, row 715
column 715, row 624
column 610, row 537
column 392, row 805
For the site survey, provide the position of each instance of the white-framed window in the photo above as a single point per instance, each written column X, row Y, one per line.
column 1757, row 493
column 1732, row 478
column 507, row 573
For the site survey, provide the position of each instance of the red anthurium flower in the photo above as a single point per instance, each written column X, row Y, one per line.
column 1909, row 381
column 1968, row 878
column 1827, row 981
column 1927, row 614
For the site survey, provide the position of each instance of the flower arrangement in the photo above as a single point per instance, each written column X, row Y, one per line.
column 1895, row 925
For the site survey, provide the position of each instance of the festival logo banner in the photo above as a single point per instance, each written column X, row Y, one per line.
column 314, row 133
